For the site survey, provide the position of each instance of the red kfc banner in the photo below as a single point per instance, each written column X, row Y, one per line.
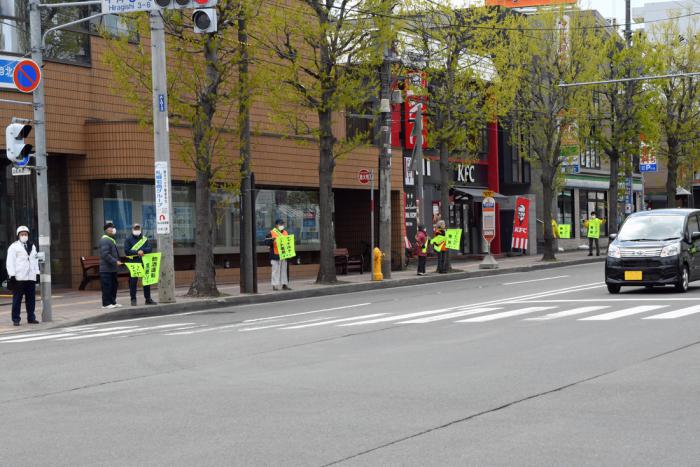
column 413, row 103
column 520, row 223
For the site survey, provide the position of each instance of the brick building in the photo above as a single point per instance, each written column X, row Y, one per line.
column 101, row 168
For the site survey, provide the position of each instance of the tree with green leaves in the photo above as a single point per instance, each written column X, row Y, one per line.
column 201, row 71
column 676, row 50
column 621, row 112
column 465, row 54
column 552, row 47
column 323, row 59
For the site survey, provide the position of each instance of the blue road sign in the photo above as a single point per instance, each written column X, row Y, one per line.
column 161, row 102
column 647, row 167
column 7, row 71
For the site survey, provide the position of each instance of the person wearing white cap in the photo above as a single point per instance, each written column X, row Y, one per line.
column 23, row 270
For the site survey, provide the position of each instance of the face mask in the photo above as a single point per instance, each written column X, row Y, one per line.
column 113, row 231
column 136, row 233
column 280, row 228
column 23, row 238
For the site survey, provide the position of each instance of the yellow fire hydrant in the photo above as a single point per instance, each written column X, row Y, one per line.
column 378, row 255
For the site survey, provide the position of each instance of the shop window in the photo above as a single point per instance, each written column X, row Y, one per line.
column 298, row 209
column 590, row 201
column 590, row 158
column 565, row 203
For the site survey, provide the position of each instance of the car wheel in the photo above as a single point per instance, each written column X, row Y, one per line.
column 684, row 281
column 613, row 288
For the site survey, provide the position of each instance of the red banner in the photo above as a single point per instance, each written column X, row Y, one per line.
column 413, row 103
column 520, row 223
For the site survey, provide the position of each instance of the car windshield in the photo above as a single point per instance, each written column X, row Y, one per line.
column 652, row 228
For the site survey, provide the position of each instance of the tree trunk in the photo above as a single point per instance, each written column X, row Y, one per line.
column 445, row 191
column 674, row 150
column 326, row 270
column 247, row 245
column 614, row 157
column 547, row 179
column 204, row 283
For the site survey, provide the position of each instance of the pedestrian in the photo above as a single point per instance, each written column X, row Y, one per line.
column 279, row 266
column 593, row 225
column 556, row 236
column 22, row 269
column 439, row 243
column 135, row 246
column 109, row 266
column 422, row 247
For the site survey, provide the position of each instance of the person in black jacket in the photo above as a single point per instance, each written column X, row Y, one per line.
column 109, row 266
column 135, row 246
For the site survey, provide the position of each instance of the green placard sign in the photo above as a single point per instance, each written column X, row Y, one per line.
column 453, row 237
column 564, row 230
column 135, row 269
column 285, row 246
column 594, row 228
column 151, row 268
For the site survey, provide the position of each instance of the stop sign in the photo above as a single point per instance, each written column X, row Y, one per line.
column 363, row 176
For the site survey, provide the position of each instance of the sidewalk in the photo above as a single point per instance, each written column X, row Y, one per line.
column 72, row 307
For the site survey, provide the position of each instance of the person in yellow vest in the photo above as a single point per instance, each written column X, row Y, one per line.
column 556, row 236
column 279, row 266
column 439, row 243
column 135, row 246
column 593, row 225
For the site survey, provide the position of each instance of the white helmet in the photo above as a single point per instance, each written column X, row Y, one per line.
column 22, row 228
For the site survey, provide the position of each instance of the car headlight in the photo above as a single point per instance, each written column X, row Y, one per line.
column 671, row 250
column 614, row 251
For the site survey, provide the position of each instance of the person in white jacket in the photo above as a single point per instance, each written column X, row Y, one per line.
column 22, row 270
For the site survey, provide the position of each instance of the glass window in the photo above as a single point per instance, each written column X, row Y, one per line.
column 590, row 201
column 299, row 210
column 693, row 226
column 652, row 227
column 590, row 158
column 565, row 213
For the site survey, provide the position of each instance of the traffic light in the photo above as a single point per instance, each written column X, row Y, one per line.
column 204, row 20
column 185, row 4
column 17, row 151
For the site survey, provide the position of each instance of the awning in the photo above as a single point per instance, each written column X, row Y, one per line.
column 680, row 191
column 475, row 194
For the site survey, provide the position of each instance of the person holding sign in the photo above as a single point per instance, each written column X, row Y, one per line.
column 439, row 243
column 135, row 246
column 593, row 225
column 279, row 265
column 109, row 266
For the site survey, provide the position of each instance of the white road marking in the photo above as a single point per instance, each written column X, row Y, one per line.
column 279, row 325
column 305, row 313
column 564, row 314
column 40, row 338
column 456, row 314
column 635, row 310
column 50, row 335
column 333, row 321
column 691, row 310
column 535, row 280
column 406, row 316
column 22, row 336
column 578, row 300
column 125, row 331
column 505, row 314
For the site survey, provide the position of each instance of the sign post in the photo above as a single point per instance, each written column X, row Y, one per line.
column 365, row 176
column 488, row 228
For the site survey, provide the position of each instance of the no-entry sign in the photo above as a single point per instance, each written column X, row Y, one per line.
column 26, row 76
column 363, row 176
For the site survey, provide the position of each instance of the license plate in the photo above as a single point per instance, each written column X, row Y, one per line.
column 633, row 275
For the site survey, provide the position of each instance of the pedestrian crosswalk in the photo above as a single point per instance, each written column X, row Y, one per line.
column 342, row 317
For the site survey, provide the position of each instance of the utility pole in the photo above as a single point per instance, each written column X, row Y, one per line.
column 42, row 181
column 247, row 246
column 161, row 145
column 385, row 167
column 418, row 165
column 629, row 197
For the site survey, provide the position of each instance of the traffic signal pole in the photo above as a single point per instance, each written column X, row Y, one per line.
column 42, row 182
column 161, row 144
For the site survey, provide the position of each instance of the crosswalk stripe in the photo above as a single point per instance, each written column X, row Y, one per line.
column 124, row 331
column 279, row 325
column 635, row 310
column 406, row 316
column 456, row 314
column 333, row 321
column 564, row 314
column 40, row 338
column 269, row 318
column 505, row 314
column 691, row 310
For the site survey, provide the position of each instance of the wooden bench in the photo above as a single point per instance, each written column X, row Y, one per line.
column 344, row 262
column 91, row 270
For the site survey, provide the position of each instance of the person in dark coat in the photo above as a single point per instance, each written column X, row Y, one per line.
column 109, row 266
column 135, row 246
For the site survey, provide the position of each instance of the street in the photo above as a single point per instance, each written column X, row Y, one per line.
column 537, row 369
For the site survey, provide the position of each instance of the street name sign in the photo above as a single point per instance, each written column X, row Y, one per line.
column 131, row 6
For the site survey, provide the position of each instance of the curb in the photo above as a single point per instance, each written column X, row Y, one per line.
column 214, row 303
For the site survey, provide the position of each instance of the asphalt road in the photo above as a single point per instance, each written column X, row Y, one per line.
column 537, row 369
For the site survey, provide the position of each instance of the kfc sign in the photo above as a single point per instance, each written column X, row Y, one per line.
column 413, row 103
column 520, row 223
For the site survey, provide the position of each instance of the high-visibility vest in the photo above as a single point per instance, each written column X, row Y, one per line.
column 276, row 233
column 594, row 228
column 424, row 248
column 110, row 239
column 139, row 244
column 439, row 242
